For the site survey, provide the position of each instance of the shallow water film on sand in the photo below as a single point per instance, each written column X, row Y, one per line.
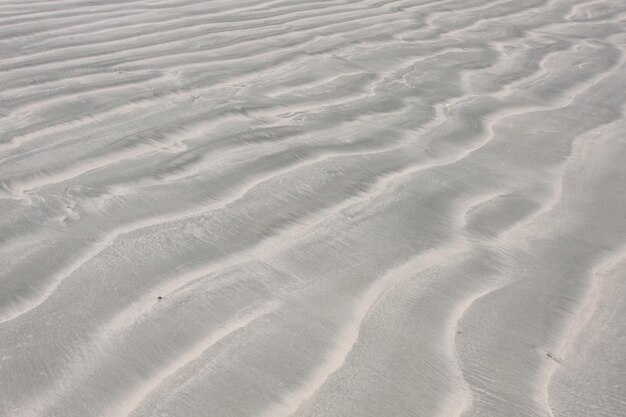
column 312, row 208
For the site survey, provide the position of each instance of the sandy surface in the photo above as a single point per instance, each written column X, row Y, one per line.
column 321, row 208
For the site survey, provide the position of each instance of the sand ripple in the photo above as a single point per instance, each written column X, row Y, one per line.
column 312, row 208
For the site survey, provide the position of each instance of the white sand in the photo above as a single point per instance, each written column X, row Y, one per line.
column 348, row 208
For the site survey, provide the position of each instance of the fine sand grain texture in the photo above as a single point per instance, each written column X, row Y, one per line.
column 312, row 208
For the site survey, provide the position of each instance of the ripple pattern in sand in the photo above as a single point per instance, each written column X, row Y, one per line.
column 320, row 208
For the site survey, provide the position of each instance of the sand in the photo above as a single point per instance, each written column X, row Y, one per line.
column 322, row 208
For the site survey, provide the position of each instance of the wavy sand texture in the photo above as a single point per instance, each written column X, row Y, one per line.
column 330, row 208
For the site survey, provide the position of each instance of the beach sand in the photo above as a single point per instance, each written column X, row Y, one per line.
column 330, row 208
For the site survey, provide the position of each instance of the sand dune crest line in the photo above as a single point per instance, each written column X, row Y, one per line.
column 349, row 335
column 140, row 393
